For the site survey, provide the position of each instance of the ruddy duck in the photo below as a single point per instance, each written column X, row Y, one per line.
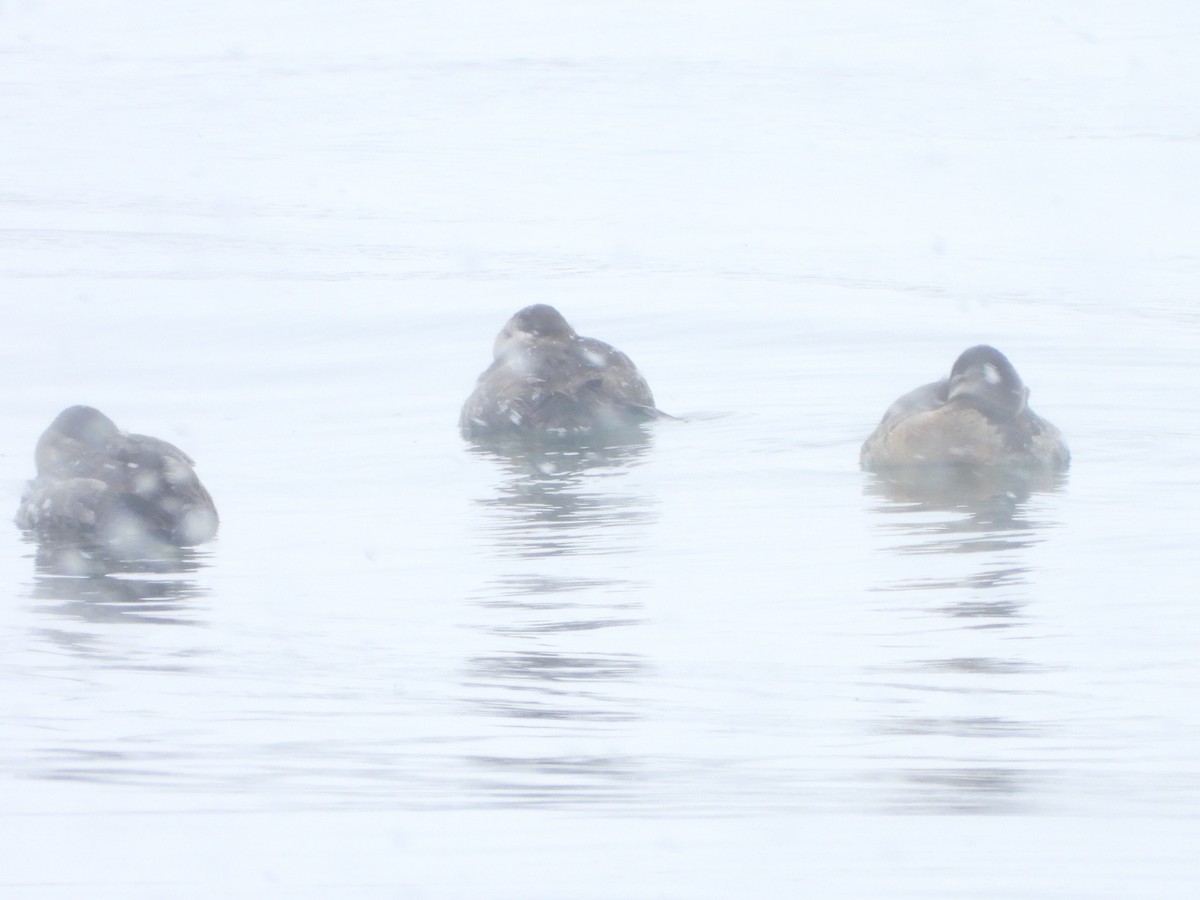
column 546, row 380
column 95, row 482
column 979, row 416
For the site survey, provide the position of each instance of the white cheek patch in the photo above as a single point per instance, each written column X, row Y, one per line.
column 991, row 374
column 146, row 483
column 521, row 362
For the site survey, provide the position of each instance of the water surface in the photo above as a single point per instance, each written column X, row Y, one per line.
column 720, row 661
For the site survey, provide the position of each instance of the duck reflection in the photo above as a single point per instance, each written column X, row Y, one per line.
column 543, row 594
column 561, row 516
column 965, row 790
column 546, row 684
column 94, row 584
column 987, row 507
column 537, row 781
column 960, row 538
column 944, row 511
column 558, row 500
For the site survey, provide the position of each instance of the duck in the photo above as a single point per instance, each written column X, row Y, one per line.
column 97, row 483
column 545, row 380
column 977, row 417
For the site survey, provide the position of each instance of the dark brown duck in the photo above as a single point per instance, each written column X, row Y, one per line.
column 546, row 380
column 978, row 416
column 95, row 482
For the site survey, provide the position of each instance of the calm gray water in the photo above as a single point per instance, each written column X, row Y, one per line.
column 721, row 663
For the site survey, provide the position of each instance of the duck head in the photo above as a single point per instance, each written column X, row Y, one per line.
column 983, row 377
column 531, row 324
